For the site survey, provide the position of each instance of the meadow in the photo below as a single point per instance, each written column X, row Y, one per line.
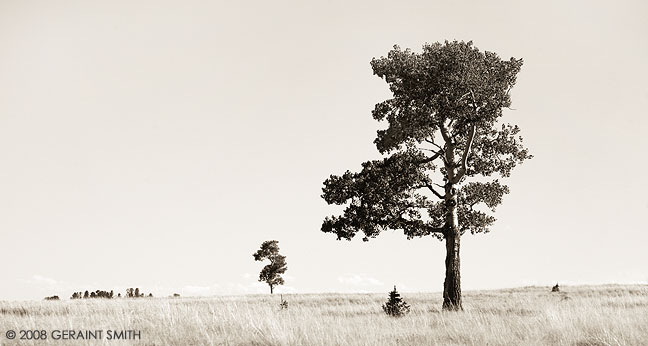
column 576, row 316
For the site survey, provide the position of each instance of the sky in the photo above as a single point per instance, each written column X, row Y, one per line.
column 157, row 144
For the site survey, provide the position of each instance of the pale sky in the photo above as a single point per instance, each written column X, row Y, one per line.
column 157, row 144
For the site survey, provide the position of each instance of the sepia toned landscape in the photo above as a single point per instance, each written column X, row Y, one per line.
column 301, row 173
column 576, row 316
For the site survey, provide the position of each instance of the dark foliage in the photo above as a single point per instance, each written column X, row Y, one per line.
column 395, row 305
column 130, row 293
column 135, row 293
column 95, row 294
column 52, row 298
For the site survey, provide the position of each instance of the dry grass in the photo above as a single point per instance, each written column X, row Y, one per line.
column 578, row 316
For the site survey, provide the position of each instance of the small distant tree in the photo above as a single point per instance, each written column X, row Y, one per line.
column 150, row 295
column 395, row 305
column 111, row 294
column 86, row 294
column 118, row 295
column 137, row 293
column 271, row 273
column 129, row 293
column 176, row 295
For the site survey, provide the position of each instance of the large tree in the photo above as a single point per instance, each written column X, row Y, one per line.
column 445, row 146
column 271, row 273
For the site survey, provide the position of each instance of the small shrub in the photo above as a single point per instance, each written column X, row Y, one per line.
column 555, row 288
column 395, row 305
column 283, row 304
column 52, row 298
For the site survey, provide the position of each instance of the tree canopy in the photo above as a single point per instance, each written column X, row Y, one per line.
column 442, row 123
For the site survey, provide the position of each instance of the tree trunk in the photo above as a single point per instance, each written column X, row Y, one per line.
column 271, row 289
column 452, row 284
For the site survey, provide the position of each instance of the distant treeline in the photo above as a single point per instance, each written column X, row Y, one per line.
column 130, row 293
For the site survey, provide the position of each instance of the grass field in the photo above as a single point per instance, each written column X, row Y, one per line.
column 578, row 316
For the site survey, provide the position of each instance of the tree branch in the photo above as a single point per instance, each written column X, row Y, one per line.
column 432, row 142
column 430, row 150
column 444, row 133
column 431, row 188
column 435, row 156
column 427, row 228
column 436, row 229
column 448, row 158
column 464, row 95
column 432, row 158
column 464, row 157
